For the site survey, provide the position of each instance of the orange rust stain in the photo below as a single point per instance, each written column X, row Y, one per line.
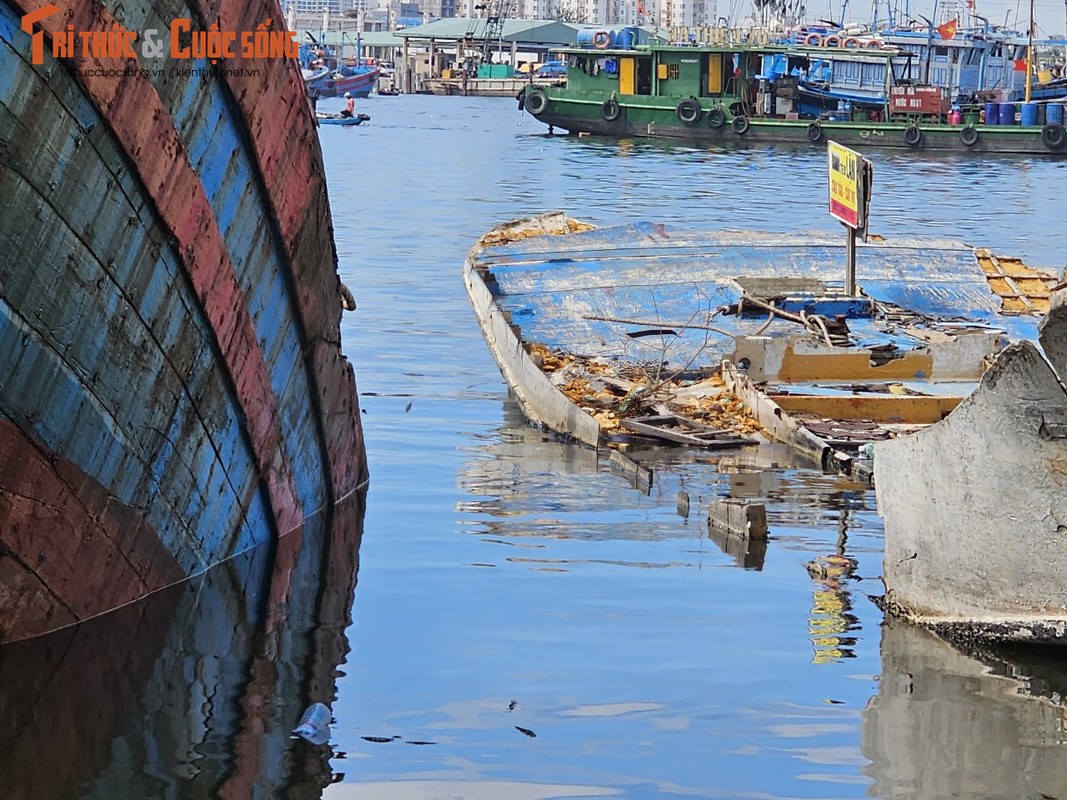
column 889, row 409
column 852, row 366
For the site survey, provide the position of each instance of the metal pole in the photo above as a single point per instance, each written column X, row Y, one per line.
column 850, row 261
column 1030, row 52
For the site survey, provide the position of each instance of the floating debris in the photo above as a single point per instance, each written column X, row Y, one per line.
column 613, row 392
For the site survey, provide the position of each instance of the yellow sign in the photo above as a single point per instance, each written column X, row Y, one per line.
column 847, row 198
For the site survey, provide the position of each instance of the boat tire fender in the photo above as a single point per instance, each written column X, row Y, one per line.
column 536, row 101
column 832, row 41
column 875, row 44
column 610, row 110
column 815, row 132
column 969, row 136
column 716, row 118
column 813, row 40
column 601, row 40
column 688, row 110
column 913, row 135
column 1054, row 136
column 850, row 41
column 739, row 125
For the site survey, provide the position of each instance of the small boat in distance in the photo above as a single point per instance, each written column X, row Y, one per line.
column 358, row 80
column 723, row 90
column 326, row 118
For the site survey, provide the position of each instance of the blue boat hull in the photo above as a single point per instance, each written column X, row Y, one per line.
column 173, row 389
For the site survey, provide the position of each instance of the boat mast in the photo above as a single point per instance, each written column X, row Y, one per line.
column 1029, row 52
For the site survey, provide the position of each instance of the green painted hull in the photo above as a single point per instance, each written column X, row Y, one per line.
column 655, row 117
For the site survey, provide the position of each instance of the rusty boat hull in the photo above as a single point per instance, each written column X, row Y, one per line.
column 173, row 390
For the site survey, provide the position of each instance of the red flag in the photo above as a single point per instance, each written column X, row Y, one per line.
column 1019, row 65
column 948, row 30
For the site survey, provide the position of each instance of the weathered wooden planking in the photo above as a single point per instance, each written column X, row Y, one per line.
column 204, row 357
column 673, row 428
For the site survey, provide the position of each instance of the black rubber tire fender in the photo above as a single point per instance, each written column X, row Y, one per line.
column 969, row 136
column 716, row 118
column 815, row 132
column 536, row 101
column 610, row 110
column 1053, row 136
column 688, row 110
column 913, row 135
column 739, row 125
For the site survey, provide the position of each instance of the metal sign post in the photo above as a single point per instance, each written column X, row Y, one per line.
column 850, row 179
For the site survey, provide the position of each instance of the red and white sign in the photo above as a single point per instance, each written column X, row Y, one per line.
column 918, row 100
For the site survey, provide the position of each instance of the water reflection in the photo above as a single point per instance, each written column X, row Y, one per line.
column 949, row 724
column 192, row 693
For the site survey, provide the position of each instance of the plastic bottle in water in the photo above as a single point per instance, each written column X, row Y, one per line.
column 314, row 724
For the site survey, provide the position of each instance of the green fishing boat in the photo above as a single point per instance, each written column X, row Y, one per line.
column 718, row 90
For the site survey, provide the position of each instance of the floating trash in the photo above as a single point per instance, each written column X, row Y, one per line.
column 314, row 724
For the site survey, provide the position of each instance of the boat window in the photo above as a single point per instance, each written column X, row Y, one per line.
column 940, row 51
column 672, row 72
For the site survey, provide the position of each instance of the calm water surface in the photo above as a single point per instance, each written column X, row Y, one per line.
column 511, row 581
column 525, row 623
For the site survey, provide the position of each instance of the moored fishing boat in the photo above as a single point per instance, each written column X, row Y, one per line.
column 173, row 386
column 745, row 93
column 971, row 64
column 358, row 80
column 476, row 86
column 646, row 329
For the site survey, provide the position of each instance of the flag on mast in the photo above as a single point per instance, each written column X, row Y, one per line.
column 947, row 30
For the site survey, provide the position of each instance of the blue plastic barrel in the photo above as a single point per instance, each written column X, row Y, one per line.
column 1054, row 113
column 992, row 114
column 585, row 37
column 1029, row 114
column 1041, row 113
column 1007, row 113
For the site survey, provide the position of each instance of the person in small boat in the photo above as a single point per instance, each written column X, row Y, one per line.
column 350, row 105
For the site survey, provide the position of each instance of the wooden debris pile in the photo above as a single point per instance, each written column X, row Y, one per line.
column 611, row 392
column 516, row 233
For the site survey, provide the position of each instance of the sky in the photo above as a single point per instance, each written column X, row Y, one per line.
column 1051, row 15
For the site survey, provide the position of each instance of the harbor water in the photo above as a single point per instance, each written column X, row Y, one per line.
column 526, row 623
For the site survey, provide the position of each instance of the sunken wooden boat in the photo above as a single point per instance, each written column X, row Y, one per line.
column 173, row 386
column 975, row 507
column 606, row 333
